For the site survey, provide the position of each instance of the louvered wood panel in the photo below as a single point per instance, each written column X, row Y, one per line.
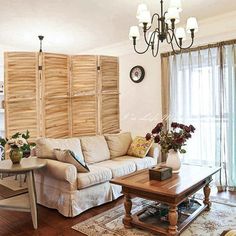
column 84, row 115
column 55, row 75
column 22, row 115
column 109, row 70
column 20, row 75
column 110, row 113
column 55, row 94
column 21, row 92
column 56, row 117
column 83, row 74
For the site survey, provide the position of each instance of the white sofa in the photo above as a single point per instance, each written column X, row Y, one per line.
column 60, row 187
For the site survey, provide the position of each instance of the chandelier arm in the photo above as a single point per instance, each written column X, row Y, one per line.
column 154, row 15
column 157, row 49
column 145, row 38
column 171, row 37
column 142, row 51
column 150, row 40
column 172, row 46
column 182, row 48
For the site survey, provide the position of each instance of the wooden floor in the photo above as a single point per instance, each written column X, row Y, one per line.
column 51, row 223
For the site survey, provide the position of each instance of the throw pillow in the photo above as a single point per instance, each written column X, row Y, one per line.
column 118, row 143
column 140, row 147
column 95, row 149
column 45, row 147
column 69, row 157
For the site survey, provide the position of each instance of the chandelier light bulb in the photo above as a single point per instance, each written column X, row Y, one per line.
column 145, row 17
column 134, row 32
column 176, row 4
column 180, row 33
column 192, row 24
column 172, row 13
column 141, row 7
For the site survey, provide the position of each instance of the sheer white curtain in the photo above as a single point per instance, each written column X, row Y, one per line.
column 195, row 98
column 203, row 93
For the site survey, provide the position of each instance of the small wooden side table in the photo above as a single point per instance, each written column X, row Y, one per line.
column 25, row 202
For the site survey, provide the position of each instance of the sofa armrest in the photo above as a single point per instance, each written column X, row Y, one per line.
column 154, row 152
column 61, row 171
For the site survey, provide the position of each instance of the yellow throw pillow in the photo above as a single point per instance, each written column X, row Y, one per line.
column 140, row 147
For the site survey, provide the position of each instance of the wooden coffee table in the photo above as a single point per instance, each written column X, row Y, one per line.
column 172, row 192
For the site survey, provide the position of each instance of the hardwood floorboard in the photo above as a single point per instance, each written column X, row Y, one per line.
column 51, row 223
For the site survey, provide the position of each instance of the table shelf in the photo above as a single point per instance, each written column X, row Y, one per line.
column 19, row 203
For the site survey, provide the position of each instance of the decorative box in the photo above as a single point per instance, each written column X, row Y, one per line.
column 160, row 173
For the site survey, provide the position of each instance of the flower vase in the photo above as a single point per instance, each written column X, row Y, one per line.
column 16, row 155
column 173, row 161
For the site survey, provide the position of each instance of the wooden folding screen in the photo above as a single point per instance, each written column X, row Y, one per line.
column 59, row 96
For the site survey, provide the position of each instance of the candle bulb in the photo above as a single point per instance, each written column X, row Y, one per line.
column 176, row 4
column 141, row 8
column 145, row 17
column 134, row 32
column 180, row 33
column 192, row 25
column 172, row 14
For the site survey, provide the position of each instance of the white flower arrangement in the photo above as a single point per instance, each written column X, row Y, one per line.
column 17, row 142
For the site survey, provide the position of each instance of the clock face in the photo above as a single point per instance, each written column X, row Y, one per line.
column 137, row 74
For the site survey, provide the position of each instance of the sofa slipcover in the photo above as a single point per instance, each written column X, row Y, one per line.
column 97, row 175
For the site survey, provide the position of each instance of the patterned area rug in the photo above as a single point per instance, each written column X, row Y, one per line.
column 213, row 223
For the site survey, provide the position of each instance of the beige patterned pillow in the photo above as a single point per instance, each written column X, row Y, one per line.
column 69, row 157
column 140, row 147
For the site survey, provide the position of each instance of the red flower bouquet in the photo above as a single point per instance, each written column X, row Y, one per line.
column 175, row 138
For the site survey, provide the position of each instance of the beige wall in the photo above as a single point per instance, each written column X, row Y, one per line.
column 140, row 103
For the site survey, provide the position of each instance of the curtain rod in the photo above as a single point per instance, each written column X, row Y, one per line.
column 212, row 45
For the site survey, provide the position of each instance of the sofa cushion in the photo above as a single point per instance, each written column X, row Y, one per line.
column 141, row 163
column 68, row 156
column 95, row 149
column 118, row 167
column 45, row 146
column 97, row 175
column 118, row 143
column 140, row 147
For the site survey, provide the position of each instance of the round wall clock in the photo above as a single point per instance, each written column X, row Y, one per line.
column 137, row 74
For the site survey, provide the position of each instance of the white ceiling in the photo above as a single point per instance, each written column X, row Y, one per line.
column 73, row 26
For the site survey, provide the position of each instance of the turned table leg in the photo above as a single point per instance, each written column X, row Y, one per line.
column 173, row 219
column 128, row 206
column 206, row 201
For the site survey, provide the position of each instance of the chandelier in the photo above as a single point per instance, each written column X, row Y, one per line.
column 160, row 28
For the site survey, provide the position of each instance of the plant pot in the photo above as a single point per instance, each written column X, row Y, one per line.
column 16, row 155
column 173, row 161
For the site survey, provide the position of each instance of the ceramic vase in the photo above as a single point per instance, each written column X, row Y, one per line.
column 16, row 155
column 173, row 161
